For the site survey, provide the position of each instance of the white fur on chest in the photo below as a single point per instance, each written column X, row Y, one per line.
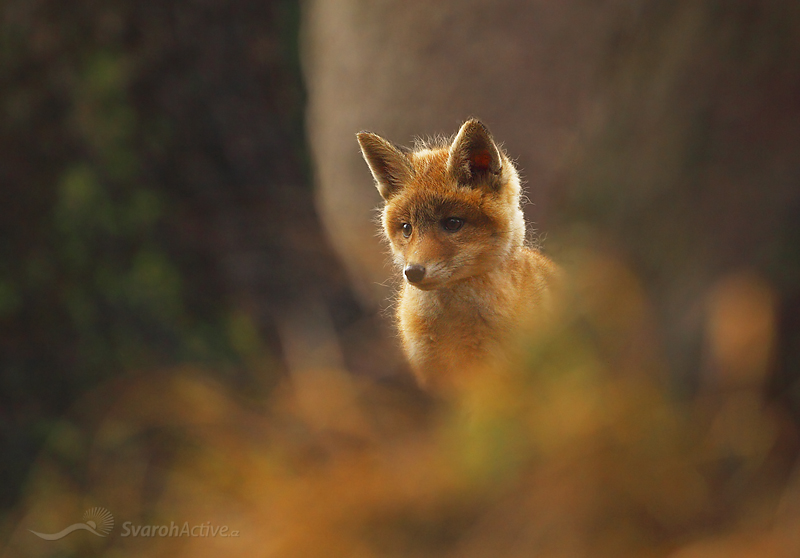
column 434, row 323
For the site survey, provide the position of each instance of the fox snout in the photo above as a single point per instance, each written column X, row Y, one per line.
column 414, row 273
column 426, row 261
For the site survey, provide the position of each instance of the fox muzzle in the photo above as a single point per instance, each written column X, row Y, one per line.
column 414, row 273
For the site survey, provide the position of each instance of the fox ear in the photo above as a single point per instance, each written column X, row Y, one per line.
column 390, row 167
column 474, row 158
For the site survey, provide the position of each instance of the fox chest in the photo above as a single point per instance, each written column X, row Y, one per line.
column 448, row 330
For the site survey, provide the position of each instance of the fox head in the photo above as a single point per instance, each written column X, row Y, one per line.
column 452, row 210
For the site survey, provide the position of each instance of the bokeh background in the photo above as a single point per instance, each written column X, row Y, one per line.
column 195, row 306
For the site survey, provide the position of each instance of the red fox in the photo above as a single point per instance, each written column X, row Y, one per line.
column 453, row 219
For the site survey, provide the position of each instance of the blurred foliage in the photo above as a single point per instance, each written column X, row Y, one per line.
column 578, row 451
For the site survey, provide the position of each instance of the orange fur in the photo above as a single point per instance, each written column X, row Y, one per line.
column 453, row 219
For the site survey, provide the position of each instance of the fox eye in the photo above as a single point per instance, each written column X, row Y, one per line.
column 452, row 224
column 406, row 230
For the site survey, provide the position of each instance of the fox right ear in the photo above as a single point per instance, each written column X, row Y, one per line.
column 390, row 167
column 474, row 158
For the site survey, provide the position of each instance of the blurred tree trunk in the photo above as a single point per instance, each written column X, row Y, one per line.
column 666, row 133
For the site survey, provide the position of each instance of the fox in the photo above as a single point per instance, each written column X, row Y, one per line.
column 472, row 285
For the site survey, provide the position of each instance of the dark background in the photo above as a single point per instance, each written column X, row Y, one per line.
column 156, row 201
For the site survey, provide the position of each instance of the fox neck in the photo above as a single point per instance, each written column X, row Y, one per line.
column 516, row 236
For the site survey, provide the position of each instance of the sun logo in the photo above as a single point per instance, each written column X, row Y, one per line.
column 95, row 520
column 99, row 519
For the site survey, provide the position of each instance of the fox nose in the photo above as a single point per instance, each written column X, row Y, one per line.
column 414, row 273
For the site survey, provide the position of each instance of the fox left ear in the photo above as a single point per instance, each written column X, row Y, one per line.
column 390, row 167
column 474, row 158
